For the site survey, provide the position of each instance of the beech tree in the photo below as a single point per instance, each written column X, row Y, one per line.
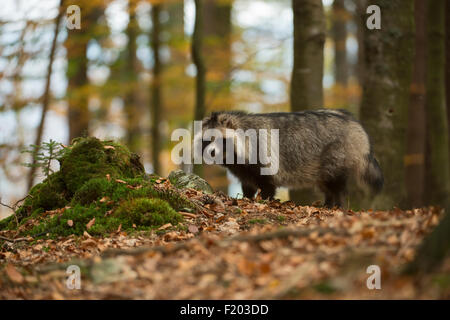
column 386, row 94
column 306, row 90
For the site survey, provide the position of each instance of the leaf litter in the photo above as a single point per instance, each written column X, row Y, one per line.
column 232, row 249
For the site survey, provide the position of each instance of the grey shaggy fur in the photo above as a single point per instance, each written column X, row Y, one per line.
column 319, row 148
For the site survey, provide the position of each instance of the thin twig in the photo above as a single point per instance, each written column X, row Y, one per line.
column 14, row 207
column 15, row 240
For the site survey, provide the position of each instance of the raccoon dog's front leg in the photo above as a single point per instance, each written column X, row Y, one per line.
column 268, row 192
column 249, row 191
column 267, row 187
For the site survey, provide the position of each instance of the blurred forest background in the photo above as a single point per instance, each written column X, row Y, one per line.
column 138, row 69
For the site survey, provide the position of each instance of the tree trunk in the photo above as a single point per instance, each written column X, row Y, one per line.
column 339, row 32
column 197, row 57
column 447, row 65
column 360, row 25
column 438, row 179
column 415, row 149
column 435, row 247
column 131, row 104
column 306, row 81
column 217, row 58
column 46, row 95
column 156, row 87
column 386, row 94
column 217, row 53
column 77, row 65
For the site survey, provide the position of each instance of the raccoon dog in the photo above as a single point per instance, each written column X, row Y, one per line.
column 318, row 148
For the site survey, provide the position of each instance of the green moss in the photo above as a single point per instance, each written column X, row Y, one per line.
column 7, row 223
column 325, row 288
column 135, row 214
column 138, row 187
column 91, row 158
column 47, row 195
column 148, row 212
column 101, row 180
column 257, row 221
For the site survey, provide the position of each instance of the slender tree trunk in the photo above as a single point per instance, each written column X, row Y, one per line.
column 306, row 81
column 175, row 69
column 438, row 179
column 309, row 38
column 197, row 57
column 386, row 94
column 447, row 65
column 415, row 149
column 360, row 25
column 77, row 65
column 217, row 52
column 217, row 58
column 131, row 70
column 339, row 32
column 46, row 95
column 156, row 88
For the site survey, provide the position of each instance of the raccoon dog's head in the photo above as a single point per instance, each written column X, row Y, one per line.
column 215, row 132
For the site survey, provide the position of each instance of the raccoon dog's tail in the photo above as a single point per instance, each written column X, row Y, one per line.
column 373, row 176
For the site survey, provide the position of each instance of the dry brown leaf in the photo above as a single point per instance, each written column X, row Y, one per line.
column 165, row 226
column 104, row 199
column 193, row 228
column 70, row 223
column 87, row 234
column 90, row 223
column 13, row 274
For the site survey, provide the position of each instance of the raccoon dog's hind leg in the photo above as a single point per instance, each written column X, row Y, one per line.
column 333, row 175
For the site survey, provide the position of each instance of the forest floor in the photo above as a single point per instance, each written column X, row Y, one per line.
column 234, row 249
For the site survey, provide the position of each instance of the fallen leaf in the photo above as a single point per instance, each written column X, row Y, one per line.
column 90, row 223
column 13, row 274
column 70, row 223
column 104, row 199
column 193, row 228
column 163, row 227
column 87, row 234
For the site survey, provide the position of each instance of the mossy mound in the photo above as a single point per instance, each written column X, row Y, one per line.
column 101, row 180
column 90, row 158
